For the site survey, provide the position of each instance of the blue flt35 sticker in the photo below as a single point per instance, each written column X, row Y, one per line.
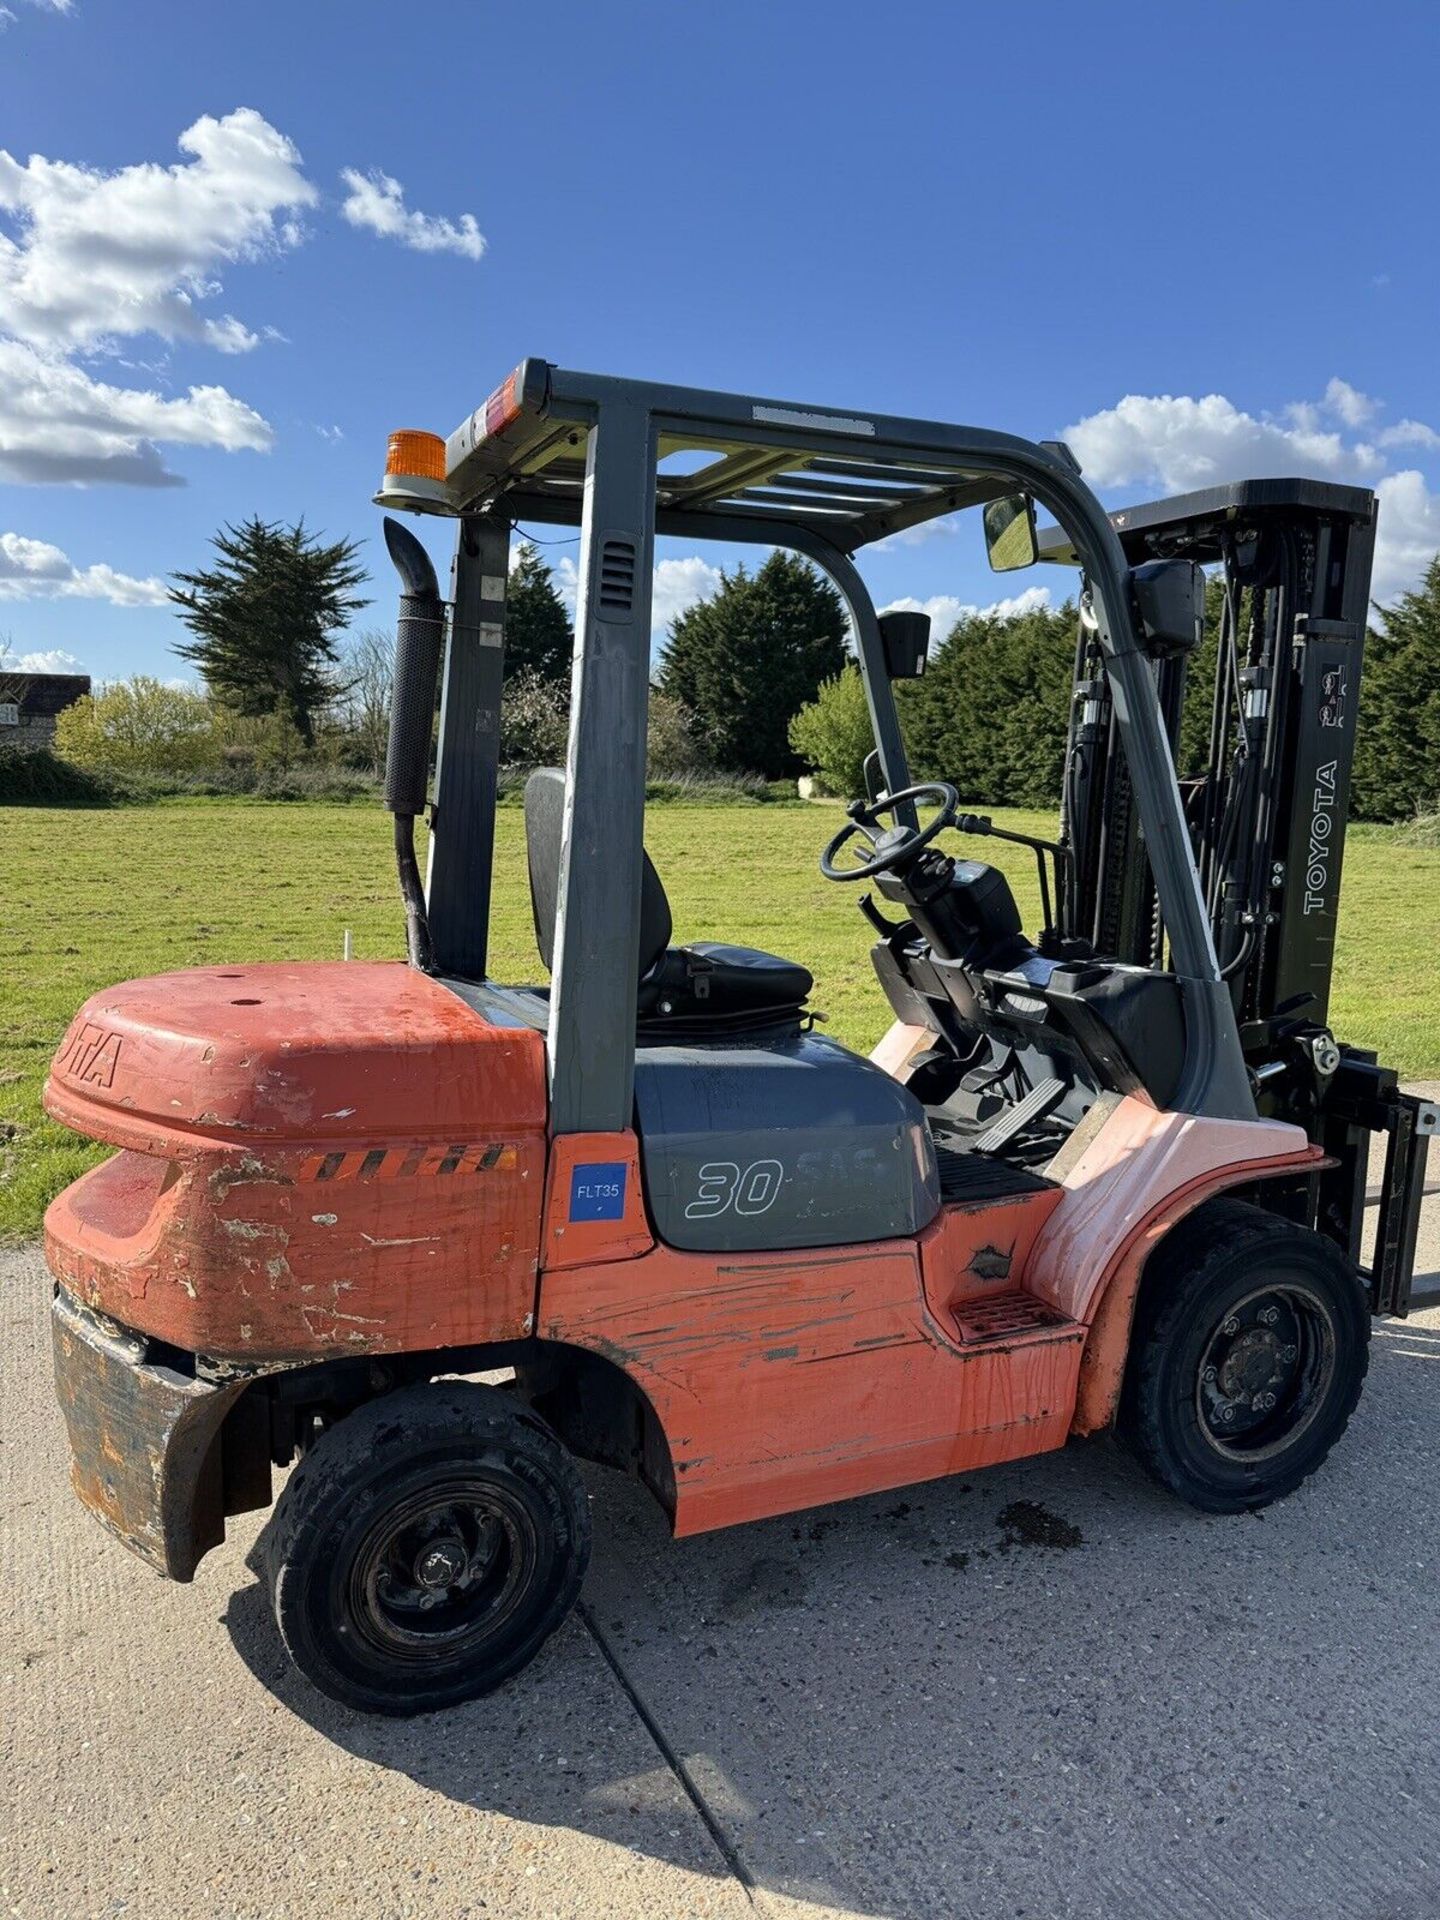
column 597, row 1191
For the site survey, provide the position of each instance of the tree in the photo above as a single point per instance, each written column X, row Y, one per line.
column 834, row 733
column 538, row 639
column 534, row 722
column 138, row 726
column 991, row 713
column 1397, row 758
column 266, row 618
column 747, row 660
column 675, row 742
column 368, row 668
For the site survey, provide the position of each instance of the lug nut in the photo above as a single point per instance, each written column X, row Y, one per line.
column 1232, row 1325
column 1209, row 1376
column 1270, row 1316
column 1288, row 1353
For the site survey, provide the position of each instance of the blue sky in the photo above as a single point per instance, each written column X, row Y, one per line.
column 239, row 244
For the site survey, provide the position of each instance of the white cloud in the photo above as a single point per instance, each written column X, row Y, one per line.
column 57, row 423
column 91, row 257
column 8, row 17
column 917, row 535
column 52, row 660
column 1408, row 535
column 36, row 570
column 1176, row 443
column 1408, row 433
column 946, row 611
column 376, row 201
column 677, row 586
column 1348, row 404
column 1181, row 443
column 137, row 250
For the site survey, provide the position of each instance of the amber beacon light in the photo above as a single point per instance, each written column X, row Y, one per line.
column 415, row 473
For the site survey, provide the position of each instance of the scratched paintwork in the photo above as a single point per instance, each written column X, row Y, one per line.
column 320, row 1160
column 789, row 1380
column 971, row 1252
column 786, row 1380
column 315, row 1159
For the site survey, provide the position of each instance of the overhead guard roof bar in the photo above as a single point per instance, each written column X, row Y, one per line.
column 497, row 461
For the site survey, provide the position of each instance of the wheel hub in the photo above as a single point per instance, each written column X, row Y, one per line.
column 1252, row 1364
column 442, row 1570
column 441, row 1563
column 1263, row 1370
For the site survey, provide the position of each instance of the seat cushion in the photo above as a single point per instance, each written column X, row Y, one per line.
column 745, row 976
column 714, row 987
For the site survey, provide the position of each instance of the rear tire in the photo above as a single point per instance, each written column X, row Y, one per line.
column 1248, row 1352
column 425, row 1548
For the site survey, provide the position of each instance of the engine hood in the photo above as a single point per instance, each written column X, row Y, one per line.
column 329, row 1052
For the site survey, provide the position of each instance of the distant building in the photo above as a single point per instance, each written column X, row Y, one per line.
column 30, row 704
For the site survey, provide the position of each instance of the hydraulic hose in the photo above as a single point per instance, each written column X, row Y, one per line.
column 419, row 637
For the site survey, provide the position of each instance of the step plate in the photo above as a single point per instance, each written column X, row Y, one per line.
column 1004, row 1316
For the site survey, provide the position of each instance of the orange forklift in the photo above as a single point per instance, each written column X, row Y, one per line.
column 1107, row 1173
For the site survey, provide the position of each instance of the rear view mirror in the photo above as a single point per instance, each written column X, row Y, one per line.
column 1010, row 533
column 906, row 639
column 1170, row 599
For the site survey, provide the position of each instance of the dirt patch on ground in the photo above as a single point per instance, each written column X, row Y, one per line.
column 1028, row 1524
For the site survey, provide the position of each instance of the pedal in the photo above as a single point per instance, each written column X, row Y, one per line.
column 1036, row 1104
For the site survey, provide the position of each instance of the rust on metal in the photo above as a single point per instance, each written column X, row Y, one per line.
column 145, row 1454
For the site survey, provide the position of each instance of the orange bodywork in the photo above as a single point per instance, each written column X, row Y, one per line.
column 786, row 1380
column 315, row 1160
column 348, row 1159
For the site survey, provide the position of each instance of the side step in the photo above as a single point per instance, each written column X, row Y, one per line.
column 1036, row 1104
column 1005, row 1315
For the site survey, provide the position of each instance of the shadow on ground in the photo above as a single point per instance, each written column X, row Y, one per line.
column 1043, row 1690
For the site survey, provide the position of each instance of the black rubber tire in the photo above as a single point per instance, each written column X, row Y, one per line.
column 1207, row 1267
column 388, row 1458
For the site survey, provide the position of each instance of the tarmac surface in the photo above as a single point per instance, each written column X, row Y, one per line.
column 1043, row 1691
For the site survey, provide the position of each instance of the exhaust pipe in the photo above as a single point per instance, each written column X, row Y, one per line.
column 419, row 638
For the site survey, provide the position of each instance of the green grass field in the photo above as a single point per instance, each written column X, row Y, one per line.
column 94, row 897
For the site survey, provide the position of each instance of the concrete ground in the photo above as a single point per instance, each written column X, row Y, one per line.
column 925, row 1706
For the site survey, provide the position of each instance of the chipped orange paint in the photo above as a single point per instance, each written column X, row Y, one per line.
column 786, row 1380
column 971, row 1253
column 348, row 1159
column 1140, row 1173
column 578, row 1243
column 316, row 1159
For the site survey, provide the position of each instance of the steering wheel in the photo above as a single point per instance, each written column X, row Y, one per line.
column 899, row 843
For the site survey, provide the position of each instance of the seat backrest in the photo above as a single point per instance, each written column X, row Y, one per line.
column 544, row 824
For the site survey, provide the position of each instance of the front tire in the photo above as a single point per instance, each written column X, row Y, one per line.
column 425, row 1548
column 1247, row 1356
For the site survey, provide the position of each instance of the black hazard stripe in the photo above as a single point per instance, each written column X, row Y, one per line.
column 407, row 1163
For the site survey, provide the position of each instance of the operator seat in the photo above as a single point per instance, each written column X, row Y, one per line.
column 703, row 990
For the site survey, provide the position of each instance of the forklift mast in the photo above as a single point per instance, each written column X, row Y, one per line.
column 1268, row 805
column 1267, row 795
